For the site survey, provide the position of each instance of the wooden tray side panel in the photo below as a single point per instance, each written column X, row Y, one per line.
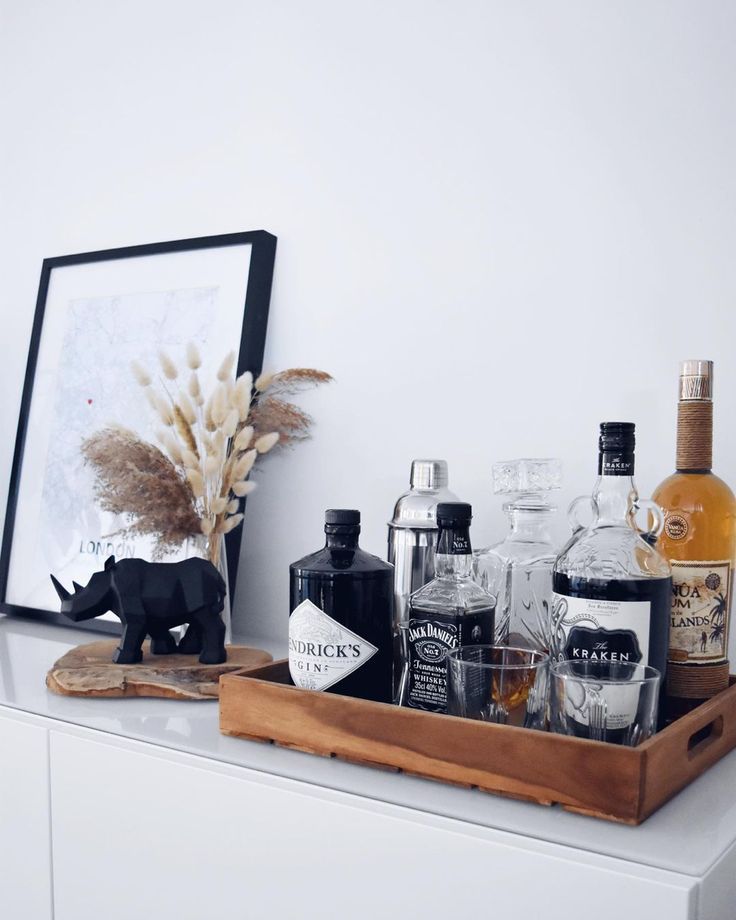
column 587, row 776
column 685, row 749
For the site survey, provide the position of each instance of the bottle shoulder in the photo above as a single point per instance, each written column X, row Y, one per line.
column 516, row 551
column 355, row 562
column 695, row 492
column 417, row 508
column 446, row 592
column 611, row 552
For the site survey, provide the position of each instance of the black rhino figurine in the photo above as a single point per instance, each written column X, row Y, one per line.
column 150, row 598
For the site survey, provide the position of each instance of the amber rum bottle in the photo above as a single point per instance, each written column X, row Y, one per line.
column 699, row 539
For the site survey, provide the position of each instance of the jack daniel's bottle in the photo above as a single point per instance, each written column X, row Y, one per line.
column 612, row 588
column 450, row 612
column 340, row 635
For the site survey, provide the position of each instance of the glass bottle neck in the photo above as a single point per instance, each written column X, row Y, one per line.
column 342, row 537
column 452, row 566
column 615, row 497
column 454, row 555
column 529, row 526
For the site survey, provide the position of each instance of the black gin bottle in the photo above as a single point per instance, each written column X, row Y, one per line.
column 340, row 636
column 612, row 588
column 449, row 612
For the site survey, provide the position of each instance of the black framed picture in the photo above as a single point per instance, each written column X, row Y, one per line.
column 96, row 313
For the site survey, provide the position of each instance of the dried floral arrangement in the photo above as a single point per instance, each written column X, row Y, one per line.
column 193, row 484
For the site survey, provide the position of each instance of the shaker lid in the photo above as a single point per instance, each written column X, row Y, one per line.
column 417, row 508
column 428, row 474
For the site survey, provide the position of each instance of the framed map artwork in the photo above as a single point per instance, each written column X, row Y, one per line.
column 95, row 314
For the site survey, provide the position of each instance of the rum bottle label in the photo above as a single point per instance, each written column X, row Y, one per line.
column 589, row 629
column 700, row 611
column 321, row 650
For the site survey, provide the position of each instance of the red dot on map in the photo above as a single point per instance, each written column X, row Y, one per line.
column 89, row 402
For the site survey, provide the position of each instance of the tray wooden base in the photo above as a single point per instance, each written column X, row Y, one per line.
column 88, row 670
column 590, row 777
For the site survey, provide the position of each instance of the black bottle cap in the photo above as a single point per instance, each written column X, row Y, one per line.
column 342, row 517
column 617, row 437
column 454, row 514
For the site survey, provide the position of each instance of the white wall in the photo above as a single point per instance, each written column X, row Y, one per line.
column 499, row 223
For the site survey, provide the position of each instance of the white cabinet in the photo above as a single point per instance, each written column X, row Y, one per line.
column 143, row 831
column 148, row 811
column 25, row 846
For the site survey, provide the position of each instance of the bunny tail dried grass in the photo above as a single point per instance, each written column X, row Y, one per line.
column 187, row 408
column 289, row 421
column 226, row 368
column 167, row 366
column 194, row 359
column 137, row 480
column 185, row 430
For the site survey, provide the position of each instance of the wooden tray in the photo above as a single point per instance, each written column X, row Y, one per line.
column 590, row 777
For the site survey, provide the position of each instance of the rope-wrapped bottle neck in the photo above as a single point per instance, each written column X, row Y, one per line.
column 694, row 435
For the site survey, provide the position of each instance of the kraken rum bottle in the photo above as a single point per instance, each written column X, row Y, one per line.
column 611, row 588
column 340, row 628
column 699, row 539
column 449, row 612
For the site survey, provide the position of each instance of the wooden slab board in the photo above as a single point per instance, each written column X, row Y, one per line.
column 88, row 670
column 590, row 777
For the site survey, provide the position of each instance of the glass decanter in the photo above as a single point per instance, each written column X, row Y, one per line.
column 518, row 570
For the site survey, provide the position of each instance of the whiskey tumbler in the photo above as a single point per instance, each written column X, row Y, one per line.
column 613, row 701
column 498, row 683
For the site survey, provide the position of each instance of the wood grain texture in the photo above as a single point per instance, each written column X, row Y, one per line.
column 684, row 750
column 88, row 670
column 524, row 764
column 589, row 777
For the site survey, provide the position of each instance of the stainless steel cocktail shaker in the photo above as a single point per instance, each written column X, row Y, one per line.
column 412, row 537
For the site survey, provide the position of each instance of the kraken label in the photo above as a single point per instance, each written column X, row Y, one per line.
column 700, row 611
column 585, row 629
column 321, row 650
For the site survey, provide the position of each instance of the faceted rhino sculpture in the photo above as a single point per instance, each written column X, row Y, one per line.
column 150, row 598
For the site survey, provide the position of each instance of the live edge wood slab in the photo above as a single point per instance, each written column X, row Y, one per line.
column 88, row 670
column 589, row 777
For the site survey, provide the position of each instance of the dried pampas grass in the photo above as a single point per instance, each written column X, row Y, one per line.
column 211, row 447
column 136, row 480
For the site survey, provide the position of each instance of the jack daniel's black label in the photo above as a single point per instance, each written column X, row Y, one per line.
column 430, row 638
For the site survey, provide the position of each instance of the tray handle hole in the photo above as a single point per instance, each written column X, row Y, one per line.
column 705, row 736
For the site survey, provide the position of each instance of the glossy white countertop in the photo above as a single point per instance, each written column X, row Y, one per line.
column 687, row 835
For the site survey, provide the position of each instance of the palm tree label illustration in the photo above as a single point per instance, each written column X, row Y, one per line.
column 700, row 611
